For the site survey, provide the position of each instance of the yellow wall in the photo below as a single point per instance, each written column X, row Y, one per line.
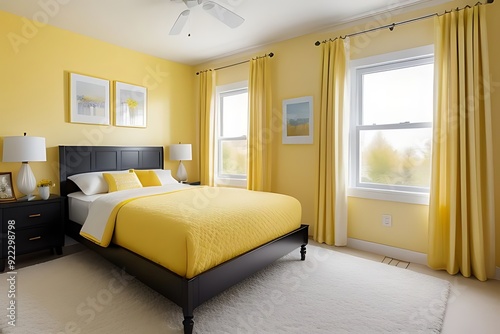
column 297, row 72
column 34, row 92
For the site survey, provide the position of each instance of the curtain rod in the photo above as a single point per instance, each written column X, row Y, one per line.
column 241, row 62
column 393, row 25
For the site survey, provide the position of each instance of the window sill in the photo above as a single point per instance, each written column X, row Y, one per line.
column 237, row 183
column 389, row 195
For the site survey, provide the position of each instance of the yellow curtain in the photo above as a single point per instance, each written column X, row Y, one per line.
column 331, row 203
column 461, row 211
column 259, row 133
column 207, row 126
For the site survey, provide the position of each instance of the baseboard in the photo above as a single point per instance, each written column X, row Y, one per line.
column 394, row 252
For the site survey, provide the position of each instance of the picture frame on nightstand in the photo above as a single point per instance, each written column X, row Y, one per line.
column 6, row 189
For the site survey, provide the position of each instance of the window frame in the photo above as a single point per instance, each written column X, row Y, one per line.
column 232, row 180
column 389, row 61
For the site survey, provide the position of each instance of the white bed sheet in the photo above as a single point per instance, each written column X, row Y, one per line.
column 79, row 206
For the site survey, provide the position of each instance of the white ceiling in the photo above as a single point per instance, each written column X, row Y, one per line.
column 144, row 25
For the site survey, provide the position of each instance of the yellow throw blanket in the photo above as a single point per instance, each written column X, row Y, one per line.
column 192, row 230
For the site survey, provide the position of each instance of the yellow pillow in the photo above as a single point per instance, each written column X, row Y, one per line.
column 121, row 181
column 148, row 178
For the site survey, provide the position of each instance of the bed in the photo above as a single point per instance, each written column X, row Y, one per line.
column 186, row 290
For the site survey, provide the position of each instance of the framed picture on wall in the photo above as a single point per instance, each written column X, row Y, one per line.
column 6, row 189
column 89, row 100
column 130, row 105
column 298, row 120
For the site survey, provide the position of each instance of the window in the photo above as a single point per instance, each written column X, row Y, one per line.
column 231, row 134
column 391, row 126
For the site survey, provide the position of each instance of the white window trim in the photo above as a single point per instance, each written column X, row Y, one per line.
column 374, row 193
column 226, row 181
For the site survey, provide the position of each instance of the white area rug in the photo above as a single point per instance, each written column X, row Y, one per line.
column 330, row 292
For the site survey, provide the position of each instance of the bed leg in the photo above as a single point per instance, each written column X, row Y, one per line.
column 188, row 324
column 302, row 252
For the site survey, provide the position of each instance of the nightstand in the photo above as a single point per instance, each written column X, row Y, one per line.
column 37, row 224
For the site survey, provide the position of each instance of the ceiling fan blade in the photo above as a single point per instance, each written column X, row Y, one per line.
column 229, row 18
column 179, row 23
column 191, row 3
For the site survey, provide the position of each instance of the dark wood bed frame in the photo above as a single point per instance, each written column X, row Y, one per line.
column 187, row 293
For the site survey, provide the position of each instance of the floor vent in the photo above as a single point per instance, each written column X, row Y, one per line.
column 395, row 262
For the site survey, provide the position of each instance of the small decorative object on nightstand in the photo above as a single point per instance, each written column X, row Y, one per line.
column 44, row 192
column 31, row 226
column 6, row 188
column 44, row 188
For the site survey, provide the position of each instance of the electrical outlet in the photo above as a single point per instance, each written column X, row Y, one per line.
column 387, row 220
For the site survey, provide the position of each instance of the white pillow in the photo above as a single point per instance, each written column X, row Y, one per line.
column 79, row 195
column 165, row 176
column 92, row 183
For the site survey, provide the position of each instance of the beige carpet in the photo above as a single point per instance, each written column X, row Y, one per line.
column 330, row 292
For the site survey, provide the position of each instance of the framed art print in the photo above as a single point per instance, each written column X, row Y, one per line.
column 298, row 120
column 130, row 105
column 6, row 189
column 89, row 100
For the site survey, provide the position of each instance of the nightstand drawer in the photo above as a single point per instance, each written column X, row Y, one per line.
column 34, row 239
column 39, row 224
column 32, row 216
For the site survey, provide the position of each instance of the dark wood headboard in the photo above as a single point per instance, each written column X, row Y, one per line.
column 84, row 159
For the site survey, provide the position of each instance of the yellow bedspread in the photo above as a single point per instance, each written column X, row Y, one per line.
column 192, row 230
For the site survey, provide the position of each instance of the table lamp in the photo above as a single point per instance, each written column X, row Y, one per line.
column 181, row 152
column 24, row 149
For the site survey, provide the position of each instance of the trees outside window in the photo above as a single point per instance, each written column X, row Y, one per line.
column 231, row 134
column 391, row 123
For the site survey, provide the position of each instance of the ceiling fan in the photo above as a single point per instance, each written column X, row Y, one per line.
column 221, row 13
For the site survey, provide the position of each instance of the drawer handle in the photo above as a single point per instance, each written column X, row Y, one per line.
column 35, row 215
column 35, row 238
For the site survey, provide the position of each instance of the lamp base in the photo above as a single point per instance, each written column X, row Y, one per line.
column 26, row 198
column 181, row 173
column 26, row 182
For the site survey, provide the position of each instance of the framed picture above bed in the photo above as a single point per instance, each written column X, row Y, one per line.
column 130, row 105
column 298, row 120
column 89, row 100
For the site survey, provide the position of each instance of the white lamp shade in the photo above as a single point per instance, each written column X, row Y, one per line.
column 180, row 152
column 23, row 149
